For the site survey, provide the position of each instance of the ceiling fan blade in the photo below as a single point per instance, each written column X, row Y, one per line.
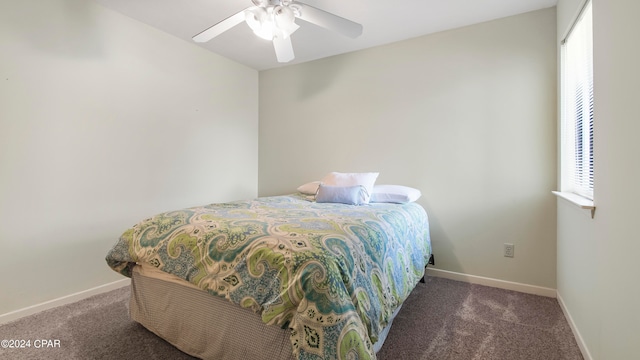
column 284, row 49
column 328, row 20
column 220, row 27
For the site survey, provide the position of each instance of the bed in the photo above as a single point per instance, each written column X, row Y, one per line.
column 274, row 277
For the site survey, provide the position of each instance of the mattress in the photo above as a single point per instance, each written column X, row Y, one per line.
column 164, row 303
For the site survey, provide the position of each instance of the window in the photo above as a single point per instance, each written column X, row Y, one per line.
column 576, row 101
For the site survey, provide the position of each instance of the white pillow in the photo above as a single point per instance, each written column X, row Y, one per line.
column 310, row 188
column 367, row 180
column 394, row 194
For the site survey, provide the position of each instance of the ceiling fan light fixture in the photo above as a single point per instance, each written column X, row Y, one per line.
column 285, row 18
column 271, row 21
column 260, row 20
column 255, row 17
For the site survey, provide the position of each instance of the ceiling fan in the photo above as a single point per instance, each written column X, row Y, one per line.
column 275, row 20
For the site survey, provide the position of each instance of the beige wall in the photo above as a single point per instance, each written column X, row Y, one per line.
column 617, row 170
column 597, row 259
column 103, row 121
column 467, row 116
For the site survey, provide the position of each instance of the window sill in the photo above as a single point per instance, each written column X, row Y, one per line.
column 577, row 200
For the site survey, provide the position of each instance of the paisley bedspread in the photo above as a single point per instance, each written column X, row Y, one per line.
column 332, row 273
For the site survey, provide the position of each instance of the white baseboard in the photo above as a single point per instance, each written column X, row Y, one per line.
column 17, row 314
column 501, row 284
column 576, row 334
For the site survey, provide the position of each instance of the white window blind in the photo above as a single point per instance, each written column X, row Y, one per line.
column 577, row 108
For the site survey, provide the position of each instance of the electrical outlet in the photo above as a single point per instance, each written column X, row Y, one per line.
column 508, row 250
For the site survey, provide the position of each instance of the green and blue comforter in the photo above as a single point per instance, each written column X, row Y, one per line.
column 331, row 273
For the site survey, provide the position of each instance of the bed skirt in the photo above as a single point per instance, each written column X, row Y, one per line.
column 203, row 325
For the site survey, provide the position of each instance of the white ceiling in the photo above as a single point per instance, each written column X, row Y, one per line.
column 383, row 22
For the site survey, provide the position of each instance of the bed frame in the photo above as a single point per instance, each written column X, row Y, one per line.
column 432, row 261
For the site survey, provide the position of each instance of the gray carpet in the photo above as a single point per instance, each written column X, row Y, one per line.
column 441, row 320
